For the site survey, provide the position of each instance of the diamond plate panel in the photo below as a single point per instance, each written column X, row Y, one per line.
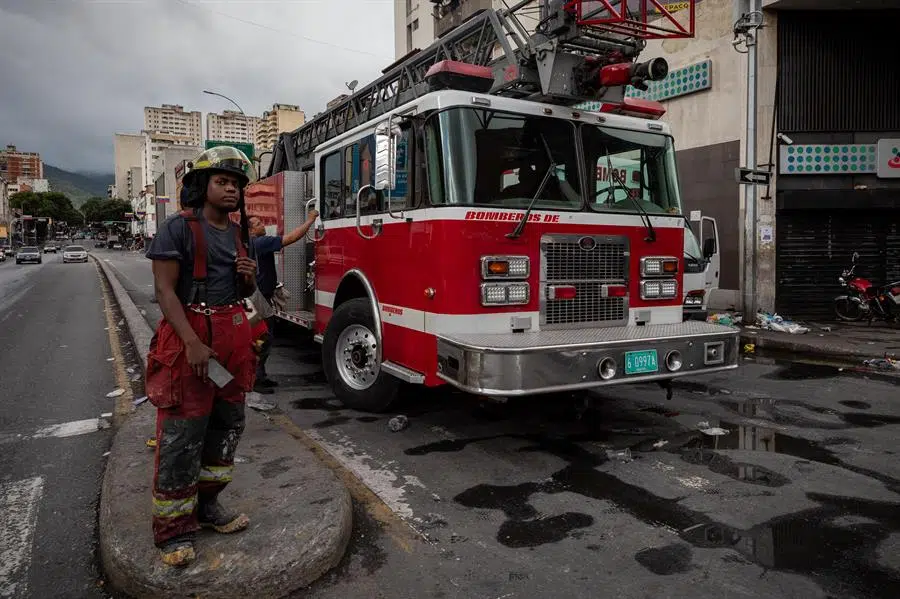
column 581, row 337
column 295, row 198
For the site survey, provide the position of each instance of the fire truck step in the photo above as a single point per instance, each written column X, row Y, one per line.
column 403, row 373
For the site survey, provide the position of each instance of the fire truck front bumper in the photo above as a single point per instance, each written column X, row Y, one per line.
column 514, row 364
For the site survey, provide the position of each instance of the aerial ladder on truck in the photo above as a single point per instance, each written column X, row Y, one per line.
column 447, row 284
column 561, row 62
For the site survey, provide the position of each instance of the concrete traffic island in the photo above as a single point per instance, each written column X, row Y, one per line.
column 300, row 513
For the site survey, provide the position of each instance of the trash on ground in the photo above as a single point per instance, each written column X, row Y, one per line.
column 619, row 455
column 703, row 424
column 433, row 521
column 883, row 364
column 398, row 423
column 139, row 401
column 110, row 359
column 121, row 322
column 106, row 454
column 143, row 312
column 135, row 378
column 151, row 442
column 750, row 348
column 239, row 459
column 714, row 431
column 775, row 322
column 660, row 443
column 130, row 370
column 116, row 393
column 725, row 318
column 435, row 496
column 255, row 401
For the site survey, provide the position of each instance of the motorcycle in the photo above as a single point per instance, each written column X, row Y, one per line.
column 863, row 299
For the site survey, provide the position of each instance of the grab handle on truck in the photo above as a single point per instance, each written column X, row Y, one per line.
column 309, row 206
column 367, row 193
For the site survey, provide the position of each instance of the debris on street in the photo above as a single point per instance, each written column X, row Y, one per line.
column 398, row 423
column 775, row 322
column 116, row 393
column 256, row 402
column 619, row 455
column 139, row 401
column 883, row 364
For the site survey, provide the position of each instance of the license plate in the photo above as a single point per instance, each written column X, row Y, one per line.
column 641, row 362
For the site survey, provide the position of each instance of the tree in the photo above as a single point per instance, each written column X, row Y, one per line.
column 51, row 204
column 97, row 210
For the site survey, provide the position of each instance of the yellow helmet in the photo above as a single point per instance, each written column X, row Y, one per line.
column 226, row 159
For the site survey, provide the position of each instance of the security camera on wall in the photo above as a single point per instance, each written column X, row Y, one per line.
column 784, row 139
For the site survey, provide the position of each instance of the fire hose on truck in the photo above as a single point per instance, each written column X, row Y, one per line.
column 478, row 229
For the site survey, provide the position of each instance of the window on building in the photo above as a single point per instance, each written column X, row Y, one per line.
column 415, row 25
column 409, row 38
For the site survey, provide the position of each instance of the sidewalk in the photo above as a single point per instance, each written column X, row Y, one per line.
column 300, row 514
column 849, row 342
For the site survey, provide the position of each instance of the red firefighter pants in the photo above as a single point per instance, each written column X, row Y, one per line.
column 198, row 425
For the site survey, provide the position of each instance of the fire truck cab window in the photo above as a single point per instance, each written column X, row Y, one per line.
column 331, row 196
column 359, row 170
column 629, row 167
column 489, row 158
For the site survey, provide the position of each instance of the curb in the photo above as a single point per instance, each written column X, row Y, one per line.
column 807, row 349
column 301, row 514
column 138, row 329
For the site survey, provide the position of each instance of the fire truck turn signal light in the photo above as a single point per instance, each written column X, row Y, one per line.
column 561, row 292
column 695, row 297
column 613, row 291
column 505, row 267
column 656, row 266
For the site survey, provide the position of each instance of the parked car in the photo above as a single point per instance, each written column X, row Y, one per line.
column 9, row 252
column 28, row 253
column 74, row 253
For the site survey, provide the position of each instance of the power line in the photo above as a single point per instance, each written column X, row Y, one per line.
column 275, row 30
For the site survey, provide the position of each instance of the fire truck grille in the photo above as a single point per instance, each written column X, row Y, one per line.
column 587, row 263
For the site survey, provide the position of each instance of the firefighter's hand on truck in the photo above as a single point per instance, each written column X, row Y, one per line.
column 312, row 216
column 198, row 355
column 246, row 267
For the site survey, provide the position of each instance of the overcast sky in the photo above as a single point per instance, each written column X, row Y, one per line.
column 74, row 72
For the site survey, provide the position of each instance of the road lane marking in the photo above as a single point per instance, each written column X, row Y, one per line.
column 69, row 429
column 18, row 516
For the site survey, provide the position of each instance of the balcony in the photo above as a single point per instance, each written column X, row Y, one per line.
column 448, row 17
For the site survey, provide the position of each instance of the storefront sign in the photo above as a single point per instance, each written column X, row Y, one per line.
column 826, row 159
column 889, row 158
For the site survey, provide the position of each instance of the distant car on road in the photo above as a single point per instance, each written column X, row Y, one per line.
column 2, row 255
column 28, row 253
column 74, row 253
column 50, row 248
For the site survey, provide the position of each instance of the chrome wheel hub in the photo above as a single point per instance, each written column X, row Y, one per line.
column 356, row 357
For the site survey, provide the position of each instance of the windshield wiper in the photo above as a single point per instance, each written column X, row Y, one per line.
column 521, row 226
column 645, row 217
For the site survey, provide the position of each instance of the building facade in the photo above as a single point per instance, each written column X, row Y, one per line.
column 172, row 119
column 15, row 164
column 232, row 125
column 281, row 118
column 153, row 146
column 128, row 155
column 159, row 200
column 413, row 25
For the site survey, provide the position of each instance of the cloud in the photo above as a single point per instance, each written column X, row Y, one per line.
column 75, row 72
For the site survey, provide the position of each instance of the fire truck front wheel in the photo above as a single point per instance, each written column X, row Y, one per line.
column 350, row 359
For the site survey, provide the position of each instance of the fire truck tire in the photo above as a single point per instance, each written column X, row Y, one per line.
column 348, row 358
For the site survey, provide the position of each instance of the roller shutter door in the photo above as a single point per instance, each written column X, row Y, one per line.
column 812, row 247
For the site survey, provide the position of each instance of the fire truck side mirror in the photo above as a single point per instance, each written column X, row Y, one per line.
column 386, row 137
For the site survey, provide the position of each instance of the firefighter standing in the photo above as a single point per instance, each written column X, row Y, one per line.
column 201, row 273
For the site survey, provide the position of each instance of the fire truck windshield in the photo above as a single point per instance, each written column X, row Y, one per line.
column 499, row 159
column 483, row 157
column 626, row 168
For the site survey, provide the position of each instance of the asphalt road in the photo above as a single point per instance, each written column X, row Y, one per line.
column 55, row 376
column 779, row 480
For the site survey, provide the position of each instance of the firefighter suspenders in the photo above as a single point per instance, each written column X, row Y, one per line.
column 198, row 289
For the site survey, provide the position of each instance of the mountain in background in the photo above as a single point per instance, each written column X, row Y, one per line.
column 79, row 187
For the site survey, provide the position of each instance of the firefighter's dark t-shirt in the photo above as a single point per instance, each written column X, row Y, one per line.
column 173, row 241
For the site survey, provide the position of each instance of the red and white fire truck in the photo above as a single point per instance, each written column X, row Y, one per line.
column 477, row 230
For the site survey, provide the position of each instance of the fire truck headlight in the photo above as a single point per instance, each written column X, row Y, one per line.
column 505, row 267
column 657, row 266
column 694, row 298
column 664, row 289
column 504, row 294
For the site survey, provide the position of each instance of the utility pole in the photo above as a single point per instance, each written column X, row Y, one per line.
column 747, row 25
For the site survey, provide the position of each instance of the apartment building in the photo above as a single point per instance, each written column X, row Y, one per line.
column 282, row 117
column 15, row 164
column 128, row 154
column 153, row 145
column 172, row 119
column 232, row 125
column 413, row 25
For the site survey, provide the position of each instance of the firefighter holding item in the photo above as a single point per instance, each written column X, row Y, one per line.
column 201, row 273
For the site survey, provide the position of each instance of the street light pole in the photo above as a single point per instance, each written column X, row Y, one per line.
column 211, row 93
